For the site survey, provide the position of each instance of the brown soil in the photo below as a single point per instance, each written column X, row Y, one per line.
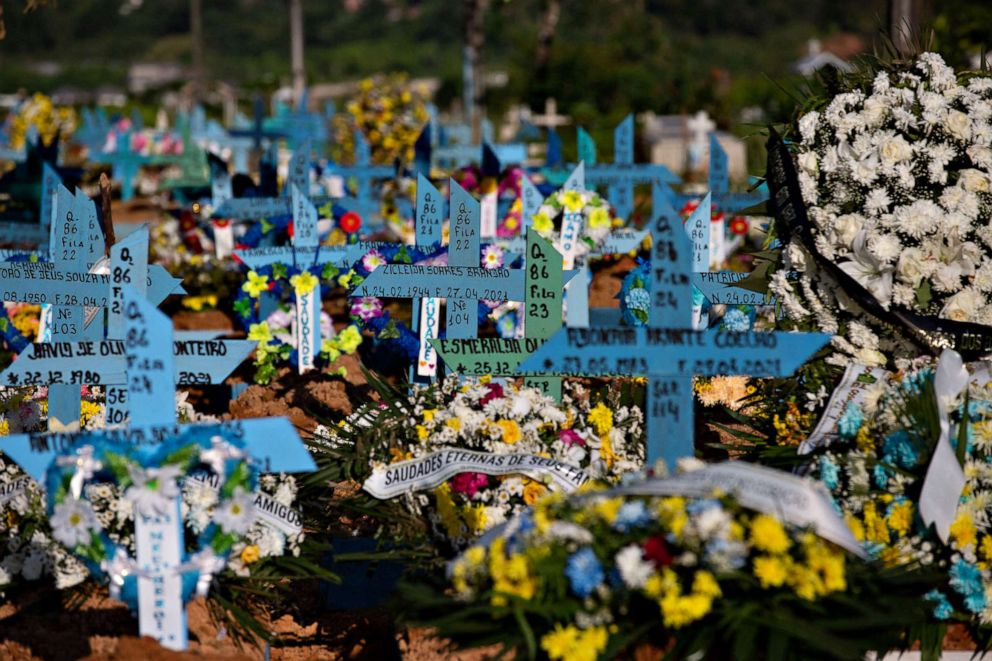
column 200, row 321
column 303, row 398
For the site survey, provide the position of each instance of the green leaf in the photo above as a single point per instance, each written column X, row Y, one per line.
column 278, row 271
column 923, row 294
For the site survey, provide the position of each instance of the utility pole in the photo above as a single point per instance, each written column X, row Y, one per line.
column 473, row 85
column 196, row 33
column 296, row 45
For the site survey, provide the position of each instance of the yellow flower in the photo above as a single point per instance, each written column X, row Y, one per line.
column 561, row 642
column 876, row 529
column 854, row 523
column 542, row 223
column 986, row 547
column 349, row 339
column 510, row 431
column 601, row 418
column 599, row 218
column 607, row 508
column 963, row 530
column 89, row 411
column 345, row 279
column 767, row 534
column 454, row 423
column 429, row 414
column 447, row 512
column 303, row 283
column 705, row 583
column 572, row 201
column 864, row 440
column 475, row 518
column 901, row 517
column 422, row 433
column 260, row 332
column 606, row 452
column 672, row 515
column 4, row 427
column 533, row 491
column 256, row 284
column 198, row 303
column 771, row 571
column 511, row 575
column 250, row 554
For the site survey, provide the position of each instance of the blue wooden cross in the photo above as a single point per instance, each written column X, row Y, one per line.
column 623, row 174
column 667, row 351
column 299, row 125
column 364, row 202
column 272, row 442
column 257, row 133
column 426, row 314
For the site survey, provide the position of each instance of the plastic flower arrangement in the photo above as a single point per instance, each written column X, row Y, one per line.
column 390, row 111
column 595, row 434
column 274, row 335
column 596, row 223
column 598, row 574
column 46, row 118
column 877, row 465
column 896, row 173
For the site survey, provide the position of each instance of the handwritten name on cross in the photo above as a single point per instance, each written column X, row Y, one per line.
column 666, row 351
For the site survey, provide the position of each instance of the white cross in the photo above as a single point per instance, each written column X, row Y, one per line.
column 550, row 118
column 700, row 126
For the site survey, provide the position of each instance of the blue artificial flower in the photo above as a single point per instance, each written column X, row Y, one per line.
column 966, row 579
column 736, row 320
column 943, row 610
column 699, row 506
column 635, row 295
column 829, row 473
column 638, row 299
column 729, row 554
column 584, row 572
column 881, row 475
column 850, row 422
column 898, row 450
column 631, row 514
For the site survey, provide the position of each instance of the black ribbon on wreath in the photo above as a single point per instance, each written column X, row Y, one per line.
column 971, row 340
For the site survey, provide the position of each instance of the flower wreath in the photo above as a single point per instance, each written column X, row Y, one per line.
column 150, row 478
column 596, row 211
column 346, row 224
column 276, row 342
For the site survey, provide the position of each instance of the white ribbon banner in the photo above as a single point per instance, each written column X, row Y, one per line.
column 431, row 470
column 266, row 508
column 161, row 613
column 793, row 499
column 850, row 389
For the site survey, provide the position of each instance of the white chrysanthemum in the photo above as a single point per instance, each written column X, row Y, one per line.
column 634, row 570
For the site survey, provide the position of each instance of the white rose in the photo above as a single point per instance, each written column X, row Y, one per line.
column 958, row 124
column 895, row 150
column 973, row 181
column 808, row 162
column 874, row 112
column 963, row 306
column 980, row 155
column 910, row 266
column 847, row 227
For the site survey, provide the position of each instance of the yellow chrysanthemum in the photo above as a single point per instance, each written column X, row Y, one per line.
column 509, row 431
column 771, row 570
column 963, row 530
column 767, row 534
column 601, row 418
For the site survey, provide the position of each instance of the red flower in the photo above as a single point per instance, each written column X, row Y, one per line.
column 468, row 483
column 569, row 437
column 656, row 550
column 289, row 229
column 495, row 392
column 739, row 225
column 350, row 222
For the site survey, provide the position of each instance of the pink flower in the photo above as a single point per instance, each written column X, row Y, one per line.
column 373, row 260
column 495, row 392
column 570, row 437
column 367, row 307
column 468, row 483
